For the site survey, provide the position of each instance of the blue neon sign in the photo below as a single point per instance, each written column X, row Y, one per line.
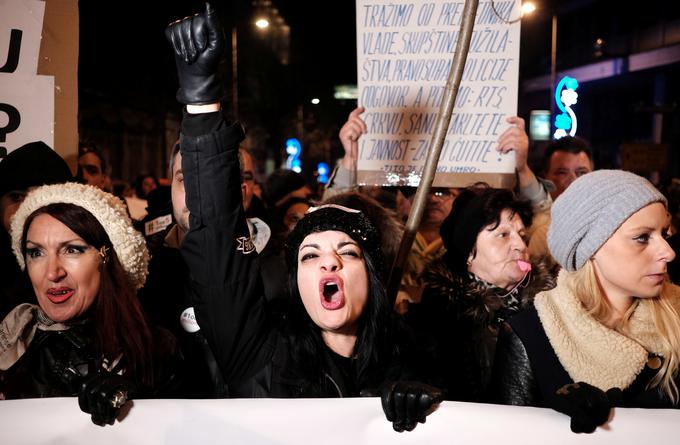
column 565, row 97
column 294, row 150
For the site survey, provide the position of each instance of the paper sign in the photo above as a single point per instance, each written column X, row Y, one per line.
column 20, row 30
column 405, row 51
column 26, row 108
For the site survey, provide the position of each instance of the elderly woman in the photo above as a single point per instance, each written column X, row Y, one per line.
column 87, row 336
column 339, row 338
column 609, row 333
column 484, row 278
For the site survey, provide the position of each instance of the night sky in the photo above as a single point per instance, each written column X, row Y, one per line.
column 124, row 56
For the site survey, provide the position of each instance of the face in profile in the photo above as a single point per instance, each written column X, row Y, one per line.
column 500, row 251
column 332, row 281
column 179, row 205
column 633, row 262
column 565, row 168
column 63, row 268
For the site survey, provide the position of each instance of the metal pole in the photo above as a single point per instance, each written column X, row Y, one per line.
column 234, row 73
column 553, row 72
column 436, row 142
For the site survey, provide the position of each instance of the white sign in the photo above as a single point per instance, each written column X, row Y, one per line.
column 405, row 51
column 21, row 24
column 27, row 109
column 26, row 99
column 318, row 421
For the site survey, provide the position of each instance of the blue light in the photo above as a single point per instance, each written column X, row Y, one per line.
column 294, row 150
column 322, row 169
column 565, row 97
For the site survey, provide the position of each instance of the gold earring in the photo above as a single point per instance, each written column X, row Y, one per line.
column 104, row 253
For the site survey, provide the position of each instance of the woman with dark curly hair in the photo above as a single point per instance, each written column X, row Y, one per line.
column 484, row 278
column 340, row 337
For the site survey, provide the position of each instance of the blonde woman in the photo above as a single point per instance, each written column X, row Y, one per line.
column 609, row 333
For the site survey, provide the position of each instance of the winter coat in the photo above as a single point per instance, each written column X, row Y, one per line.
column 459, row 318
column 556, row 342
column 259, row 346
column 57, row 362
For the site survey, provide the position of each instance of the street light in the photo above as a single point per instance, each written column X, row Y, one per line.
column 267, row 17
column 262, row 23
column 526, row 9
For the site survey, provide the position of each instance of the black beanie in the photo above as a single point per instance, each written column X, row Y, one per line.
column 339, row 218
column 32, row 165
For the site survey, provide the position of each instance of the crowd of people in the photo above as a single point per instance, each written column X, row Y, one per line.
column 556, row 294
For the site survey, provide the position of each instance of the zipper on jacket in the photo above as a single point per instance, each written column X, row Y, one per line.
column 334, row 384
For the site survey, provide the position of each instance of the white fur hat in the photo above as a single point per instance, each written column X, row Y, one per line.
column 109, row 210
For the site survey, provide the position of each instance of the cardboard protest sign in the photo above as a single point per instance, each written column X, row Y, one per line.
column 405, row 50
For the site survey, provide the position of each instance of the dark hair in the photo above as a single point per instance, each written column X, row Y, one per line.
column 119, row 323
column 139, row 182
column 281, row 209
column 569, row 144
column 373, row 345
column 89, row 147
column 474, row 209
column 385, row 220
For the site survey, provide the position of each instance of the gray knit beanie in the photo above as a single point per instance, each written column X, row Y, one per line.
column 591, row 209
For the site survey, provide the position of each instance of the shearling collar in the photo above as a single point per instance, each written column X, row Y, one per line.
column 477, row 300
column 590, row 351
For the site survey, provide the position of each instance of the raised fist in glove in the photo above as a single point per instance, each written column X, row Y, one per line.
column 587, row 405
column 198, row 43
column 102, row 395
column 407, row 403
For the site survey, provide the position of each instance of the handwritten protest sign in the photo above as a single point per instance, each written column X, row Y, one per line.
column 405, row 50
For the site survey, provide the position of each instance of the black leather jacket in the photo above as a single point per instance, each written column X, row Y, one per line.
column 459, row 318
column 56, row 363
column 253, row 344
column 527, row 370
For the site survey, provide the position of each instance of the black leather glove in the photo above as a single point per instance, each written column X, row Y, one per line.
column 198, row 43
column 406, row 403
column 102, row 395
column 587, row 405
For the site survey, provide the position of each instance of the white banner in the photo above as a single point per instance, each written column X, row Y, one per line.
column 405, row 50
column 317, row 421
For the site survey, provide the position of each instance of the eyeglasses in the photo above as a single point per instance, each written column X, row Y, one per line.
column 247, row 176
column 442, row 193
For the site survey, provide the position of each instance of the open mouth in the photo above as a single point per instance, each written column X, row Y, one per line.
column 59, row 295
column 332, row 296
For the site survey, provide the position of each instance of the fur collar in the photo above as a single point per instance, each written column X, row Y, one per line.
column 590, row 351
column 475, row 300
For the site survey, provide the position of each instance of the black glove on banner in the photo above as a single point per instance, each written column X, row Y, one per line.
column 102, row 395
column 587, row 405
column 407, row 403
column 198, row 43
